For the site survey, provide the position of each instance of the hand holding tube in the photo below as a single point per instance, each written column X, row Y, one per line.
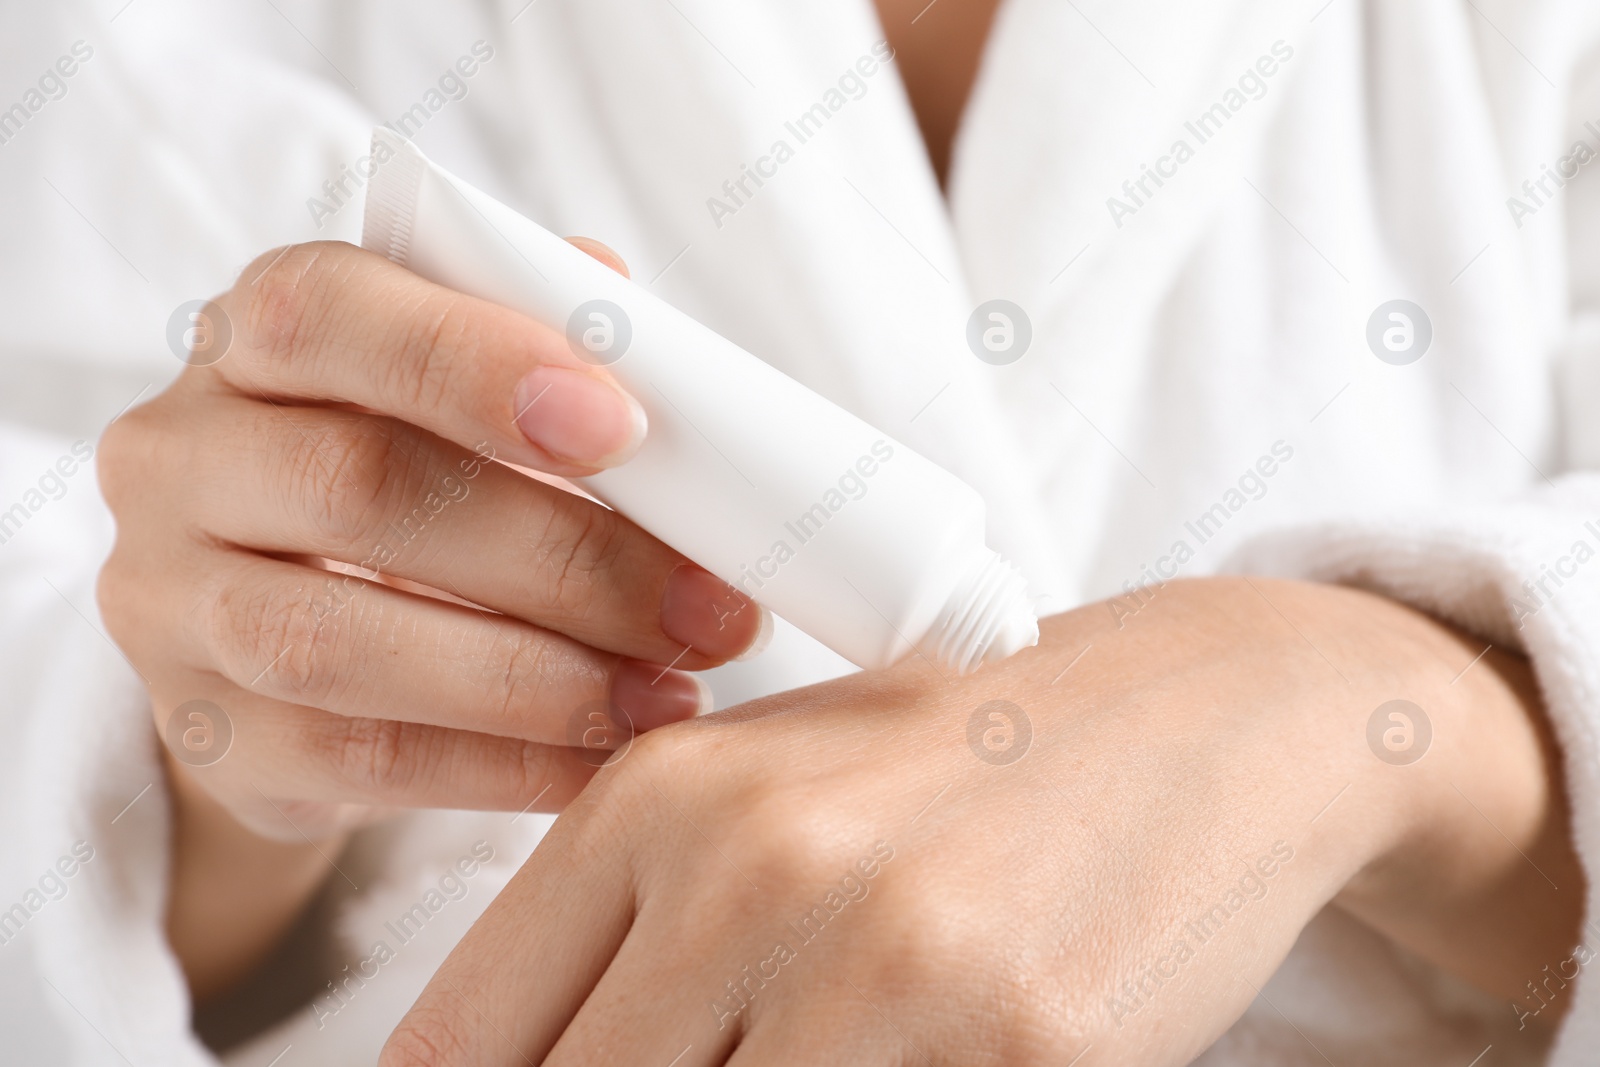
column 309, row 531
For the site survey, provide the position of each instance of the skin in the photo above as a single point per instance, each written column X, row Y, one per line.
column 937, row 48
column 1177, row 755
column 1021, row 899
column 1223, row 727
column 351, row 697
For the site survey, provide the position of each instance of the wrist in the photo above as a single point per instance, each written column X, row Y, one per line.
column 233, row 894
column 1451, row 841
column 1265, row 688
column 1459, row 781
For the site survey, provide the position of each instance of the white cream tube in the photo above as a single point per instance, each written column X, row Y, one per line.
column 843, row 531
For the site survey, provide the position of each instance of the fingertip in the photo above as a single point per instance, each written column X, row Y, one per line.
column 602, row 252
column 762, row 639
column 578, row 417
column 652, row 696
column 702, row 611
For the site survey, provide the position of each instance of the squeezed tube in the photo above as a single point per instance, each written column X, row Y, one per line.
column 843, row 531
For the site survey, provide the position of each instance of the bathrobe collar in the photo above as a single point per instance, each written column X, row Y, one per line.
column 765, row 154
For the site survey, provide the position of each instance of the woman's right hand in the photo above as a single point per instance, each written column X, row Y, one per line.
column 351, row 420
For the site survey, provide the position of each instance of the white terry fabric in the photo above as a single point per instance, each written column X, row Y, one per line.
column 1482, row 568
column 1224, row 316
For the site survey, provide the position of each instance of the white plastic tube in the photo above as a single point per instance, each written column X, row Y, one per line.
column 838, row 528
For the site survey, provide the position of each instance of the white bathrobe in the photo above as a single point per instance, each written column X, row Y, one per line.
column 1199, row 315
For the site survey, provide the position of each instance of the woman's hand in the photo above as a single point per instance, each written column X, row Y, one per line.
column 1095, row 853
column 357, row 417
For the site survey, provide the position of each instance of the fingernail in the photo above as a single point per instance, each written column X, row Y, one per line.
column 702, row 611
column 652, row 696
column 577, row 417
column 603, row 252
column 763, row 637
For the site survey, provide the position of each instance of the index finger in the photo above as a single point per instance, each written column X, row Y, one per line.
column 522, row 972
column 331, row 322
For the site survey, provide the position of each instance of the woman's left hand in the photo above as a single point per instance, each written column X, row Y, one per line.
column 1101, row 848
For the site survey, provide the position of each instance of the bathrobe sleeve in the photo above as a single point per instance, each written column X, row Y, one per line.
column 88, row 975
column 213, row 145
column 1521, row 573
column 1524, row 575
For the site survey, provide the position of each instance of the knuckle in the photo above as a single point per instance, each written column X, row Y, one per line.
column 381, row 758
column 1041, row 1034
column 352, row 473
column 391, row 762
column 791, row 840
column 1033, row 1029
column 927, row 938
column 525, row 675
column 434, row 339
column 664, row 754
column 575, row 549
column 653, row 767
column 284, row 304
column 534, row 770
column 427, row 1037
column 265, row 635
column 118, row 609
column 122, row 457
column 925, row 925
